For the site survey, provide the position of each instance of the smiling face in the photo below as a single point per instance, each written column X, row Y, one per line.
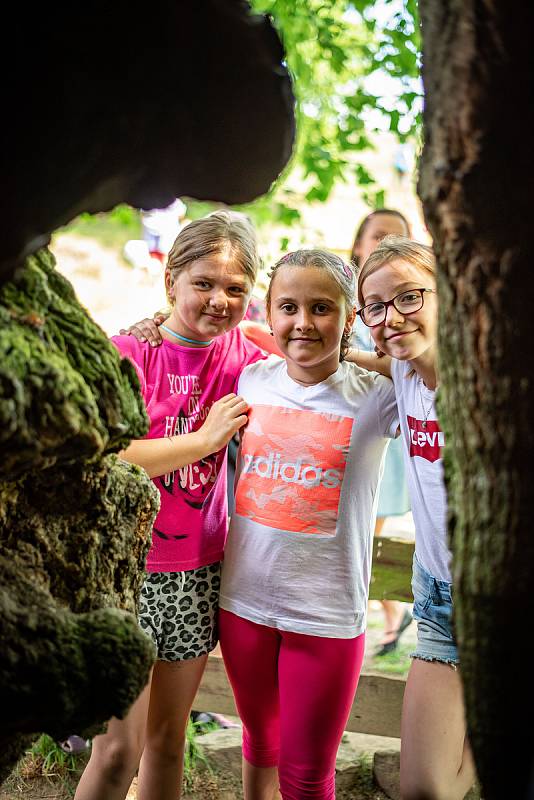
column 374, row 230
column 209, row 296
column 308, row 315
column 410, row 336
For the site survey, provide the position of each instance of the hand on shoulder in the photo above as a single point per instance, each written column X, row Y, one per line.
column 146, row 330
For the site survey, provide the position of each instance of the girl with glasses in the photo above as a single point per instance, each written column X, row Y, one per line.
column 396, row 292
column 393, row 499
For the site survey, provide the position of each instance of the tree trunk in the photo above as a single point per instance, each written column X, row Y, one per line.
column 475, row 185
column 75, row 521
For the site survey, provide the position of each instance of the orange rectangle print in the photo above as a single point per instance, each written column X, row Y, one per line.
column 291, row 469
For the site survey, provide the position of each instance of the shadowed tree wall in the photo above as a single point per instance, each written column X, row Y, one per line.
column 476, row 185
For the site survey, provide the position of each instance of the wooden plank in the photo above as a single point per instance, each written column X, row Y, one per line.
column 376, row 709
column 391, row 570
column 378, row 705
column 215, row 693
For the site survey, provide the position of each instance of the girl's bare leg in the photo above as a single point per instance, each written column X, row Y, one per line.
column 436, row 761
column 174, row 686
column 260, row 783
column 115, row 755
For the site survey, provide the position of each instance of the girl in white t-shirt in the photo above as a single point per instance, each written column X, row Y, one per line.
column 298, row 556
column 397, row 294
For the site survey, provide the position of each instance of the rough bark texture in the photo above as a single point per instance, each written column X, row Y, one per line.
column 75, row 523
column 65, row 393
column 138, row 105
column 476, row 186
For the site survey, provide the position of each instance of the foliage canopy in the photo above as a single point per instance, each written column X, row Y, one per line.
column 333, row 48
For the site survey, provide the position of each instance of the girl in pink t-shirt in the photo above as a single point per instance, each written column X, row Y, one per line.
column 188, row 385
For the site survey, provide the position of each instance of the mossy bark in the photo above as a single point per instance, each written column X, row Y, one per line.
column 75, row 519
column 65, row 395
column 475, row 183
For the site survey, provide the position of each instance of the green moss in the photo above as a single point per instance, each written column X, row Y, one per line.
column 83, row 531
column 75, row 520
column 62, row 671
column 65, row 393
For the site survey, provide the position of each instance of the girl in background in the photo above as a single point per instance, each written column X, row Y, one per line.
column 397, row 294
column 393, row 499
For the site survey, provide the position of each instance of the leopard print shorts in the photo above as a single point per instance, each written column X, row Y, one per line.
column 178, row 610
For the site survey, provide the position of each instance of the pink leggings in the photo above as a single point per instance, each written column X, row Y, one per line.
column 294, row 693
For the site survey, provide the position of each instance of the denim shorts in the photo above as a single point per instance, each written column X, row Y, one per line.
column 433, row 610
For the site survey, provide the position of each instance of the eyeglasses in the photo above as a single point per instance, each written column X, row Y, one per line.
column 405, row 303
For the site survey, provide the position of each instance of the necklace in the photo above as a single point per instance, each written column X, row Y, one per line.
column 184, row 338
column 428, row 410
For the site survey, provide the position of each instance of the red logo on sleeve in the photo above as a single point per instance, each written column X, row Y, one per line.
column 426, row 438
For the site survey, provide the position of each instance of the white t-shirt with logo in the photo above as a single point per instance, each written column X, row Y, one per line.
column 423, row 440
column 298, row 554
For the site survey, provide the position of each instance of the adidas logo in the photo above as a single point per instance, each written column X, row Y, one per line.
column 308, row 475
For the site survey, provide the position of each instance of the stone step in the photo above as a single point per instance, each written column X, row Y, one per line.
column 223, row 750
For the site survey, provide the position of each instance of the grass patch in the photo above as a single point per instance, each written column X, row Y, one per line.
column 395, row 663
column 365, row 782
column 45, row 771
column 194, row 756
column 374, row 622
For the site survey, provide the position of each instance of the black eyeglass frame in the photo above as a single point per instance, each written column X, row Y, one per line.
column 388, row 303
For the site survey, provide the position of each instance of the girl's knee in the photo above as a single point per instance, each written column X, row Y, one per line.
column 116, row 758
column 165, row 747
column 301, row 782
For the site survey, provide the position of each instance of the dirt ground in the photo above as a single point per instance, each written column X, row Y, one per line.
column 201, row 784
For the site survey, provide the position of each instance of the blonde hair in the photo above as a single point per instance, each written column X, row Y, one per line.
column 213, row 234
column 339, row 271
column 392, row 247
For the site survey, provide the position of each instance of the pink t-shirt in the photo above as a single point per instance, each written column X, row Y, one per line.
column 179, row 385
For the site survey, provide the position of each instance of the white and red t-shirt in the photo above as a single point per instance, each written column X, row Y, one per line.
column 424, row 440
column 179, row 385
column 298, row 554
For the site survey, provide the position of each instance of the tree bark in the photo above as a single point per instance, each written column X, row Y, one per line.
column 178, row 99
column 476, row 184
column 75, row 520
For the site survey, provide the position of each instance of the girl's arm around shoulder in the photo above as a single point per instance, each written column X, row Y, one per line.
column 371, row 361
column 160, row 456
column 260, row 334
